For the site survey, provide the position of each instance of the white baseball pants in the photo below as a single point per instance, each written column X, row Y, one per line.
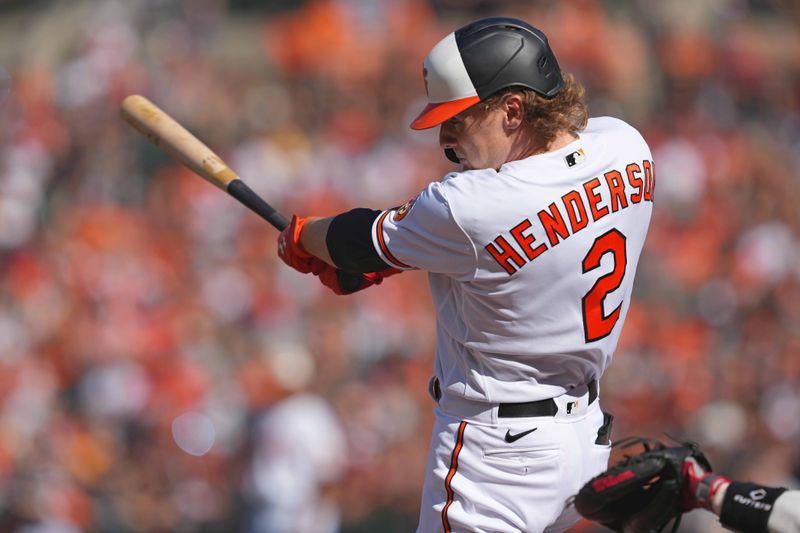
column 478, row 482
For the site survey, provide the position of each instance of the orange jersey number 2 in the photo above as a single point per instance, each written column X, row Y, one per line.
column 596, row 324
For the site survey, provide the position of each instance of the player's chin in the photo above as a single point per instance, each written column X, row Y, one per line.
column 462, row 162
column 470, row 164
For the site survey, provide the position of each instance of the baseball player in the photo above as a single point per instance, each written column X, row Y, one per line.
column 531, row 249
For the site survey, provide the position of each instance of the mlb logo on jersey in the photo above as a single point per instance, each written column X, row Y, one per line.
column 575, row 158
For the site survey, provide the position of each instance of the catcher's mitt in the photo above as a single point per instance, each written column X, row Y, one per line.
column 643, row 492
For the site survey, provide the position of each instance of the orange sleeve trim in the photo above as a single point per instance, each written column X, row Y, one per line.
column 451, row 474
column 382, row 243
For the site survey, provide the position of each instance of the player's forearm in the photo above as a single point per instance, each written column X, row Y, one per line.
column 784, row 517
column 313, row 238
column 344, row 241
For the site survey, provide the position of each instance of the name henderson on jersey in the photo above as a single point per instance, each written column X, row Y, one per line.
column 642, row 179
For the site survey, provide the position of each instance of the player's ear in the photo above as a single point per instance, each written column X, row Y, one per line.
column 514, row 109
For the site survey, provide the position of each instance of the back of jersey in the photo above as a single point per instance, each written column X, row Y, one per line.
column 532, row 266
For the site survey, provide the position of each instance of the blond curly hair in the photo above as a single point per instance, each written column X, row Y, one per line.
column 546, row 117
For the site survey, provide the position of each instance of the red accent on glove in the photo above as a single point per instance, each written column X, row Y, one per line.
column 329, row 276
column 293, row 253
column 611, row 480
column 695, row 474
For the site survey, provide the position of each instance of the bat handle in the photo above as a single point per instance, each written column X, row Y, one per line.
column 348, row 281
column 239, row 190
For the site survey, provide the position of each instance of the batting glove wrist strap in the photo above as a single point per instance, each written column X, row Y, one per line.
column 747, row 506
column 701, row 485
column 707, row 489
column 342, row 283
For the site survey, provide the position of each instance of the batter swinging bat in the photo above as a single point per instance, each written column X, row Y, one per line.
column 162, row 130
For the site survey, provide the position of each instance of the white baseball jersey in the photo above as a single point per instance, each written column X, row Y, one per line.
column 531, row 267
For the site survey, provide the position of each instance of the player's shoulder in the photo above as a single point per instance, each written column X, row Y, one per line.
column 456, row 188
column 464, row 183
column 467, row 177
column 611, row 126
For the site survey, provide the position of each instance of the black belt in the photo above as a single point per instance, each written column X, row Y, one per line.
column 546, row 407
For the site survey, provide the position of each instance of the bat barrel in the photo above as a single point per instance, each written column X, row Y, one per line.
column 163, row 131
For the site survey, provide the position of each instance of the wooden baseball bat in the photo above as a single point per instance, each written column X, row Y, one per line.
column 163, row 131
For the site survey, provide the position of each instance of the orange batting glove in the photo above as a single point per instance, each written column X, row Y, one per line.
column 347, row 283
column 340, row 282
column 293, row 253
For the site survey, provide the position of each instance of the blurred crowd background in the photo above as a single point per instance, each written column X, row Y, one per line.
column 161, row 371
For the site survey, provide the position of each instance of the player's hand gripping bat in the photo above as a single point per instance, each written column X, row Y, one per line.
column 163, row 131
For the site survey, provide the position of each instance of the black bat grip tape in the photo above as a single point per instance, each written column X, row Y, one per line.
column 348, row 281
column 239, row 190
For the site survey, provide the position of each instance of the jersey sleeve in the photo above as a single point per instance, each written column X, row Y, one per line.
column 424, row 234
